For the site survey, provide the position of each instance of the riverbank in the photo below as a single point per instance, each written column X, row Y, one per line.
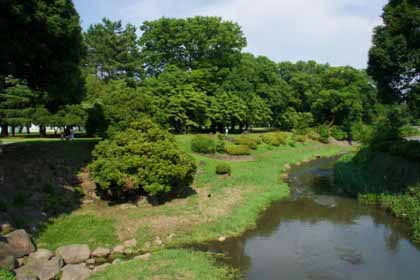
column 217, row 207
column 386, row 181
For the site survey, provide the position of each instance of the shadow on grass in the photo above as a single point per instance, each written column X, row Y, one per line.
column 39, row 180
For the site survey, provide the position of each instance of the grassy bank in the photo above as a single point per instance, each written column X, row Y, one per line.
column 386, row 181
column 169, row 264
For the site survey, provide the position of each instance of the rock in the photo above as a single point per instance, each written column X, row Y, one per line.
column 116, row 261
column 20, row 242
column 20, row 262
column 119, row 249
column 170, row 236
column 101, row 268
column 74, row 254
column 90, row 261
column 101, row 252
column 7, row 258
column 158, row 241
column 144, row 257
column 44, row 270
column 222, row 239
column 130, row 243
column 287, row 166
column 75, row 272
column 41, row 254
column 128, row 251
column 5, row 223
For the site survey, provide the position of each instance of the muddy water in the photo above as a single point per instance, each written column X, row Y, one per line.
column 319, row 234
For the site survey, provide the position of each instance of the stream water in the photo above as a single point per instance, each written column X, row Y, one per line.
column 319, row 234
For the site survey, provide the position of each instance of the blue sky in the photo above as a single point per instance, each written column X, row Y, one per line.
column 335, row 31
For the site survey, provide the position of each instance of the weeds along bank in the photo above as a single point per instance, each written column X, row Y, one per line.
column 386, row 180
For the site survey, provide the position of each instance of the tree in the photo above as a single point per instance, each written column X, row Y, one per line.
column 192, row 43
column 112, row 51
column 394, row 59
column 41, row 43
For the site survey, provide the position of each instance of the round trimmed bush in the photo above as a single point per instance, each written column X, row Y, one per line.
column 203, row 144
column 338, row 134
column 275, row 138
column 324, row 134
column 237, row 150
column 144, row 158
column 223, row 169
column 247, row 141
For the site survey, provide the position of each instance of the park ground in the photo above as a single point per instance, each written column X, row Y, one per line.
column 216, row 207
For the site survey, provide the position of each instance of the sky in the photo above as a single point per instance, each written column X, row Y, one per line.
column 338, row 32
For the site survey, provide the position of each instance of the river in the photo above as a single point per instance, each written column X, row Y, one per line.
column 319, row 234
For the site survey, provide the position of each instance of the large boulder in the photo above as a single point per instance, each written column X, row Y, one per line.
column 7, row 258
column 41, row 268
column 40, row 255
column 21, row 243
column 75, row 272
column 74, row 254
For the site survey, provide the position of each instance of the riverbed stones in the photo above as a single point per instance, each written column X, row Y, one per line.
column 119, row 249
column 43, row 270
column 74, row 254
column 222, row 239
column 7, row 259
column 75, row 272
column 101, row 252
column 21, row 243
column 41, row 254
column 130, row 243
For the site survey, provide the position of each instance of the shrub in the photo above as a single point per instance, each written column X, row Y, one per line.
column 142, row 158
column 6, row 275
column 203, row 144
column 220, row 146
column 338, row 133
column 223, row 168
column 360, row 132
column 312, row 134
column 407, row 131
column 324, row 134
column 247, row 141
column 237, row 150
column 275, row 138
column 301, row 138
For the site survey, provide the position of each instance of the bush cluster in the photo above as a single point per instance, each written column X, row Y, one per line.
column 203, row 144
column 223, row 169
column 247, row 141
column 324, row 134
column 300, row 138
column 275, row 138
column 237, row 150
column 142, row 158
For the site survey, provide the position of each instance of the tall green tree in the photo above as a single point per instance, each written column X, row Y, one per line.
column 192, row 43
column 394, row 59
column 41, row 43
column 112, row 51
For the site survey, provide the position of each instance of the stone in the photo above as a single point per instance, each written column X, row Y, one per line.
column 144, row 257
column 130, row 243
column 20, row 242
column 128, row 251
column 158, row 241
column 116, row 261
column 75, row 272
column 74, row 254
column 41, row 254
column 90, row 261
column 44, row 270
column 101, row 268
column 7, row 258
column 20, row 262
column 147, row 244
column 119, row 249
column 222, row 239
column 101, row 252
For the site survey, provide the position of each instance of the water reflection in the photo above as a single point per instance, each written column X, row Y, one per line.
column 319, row 235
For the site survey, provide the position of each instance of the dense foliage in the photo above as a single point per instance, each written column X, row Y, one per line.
column 394, row 59
column 143, row 158
column 203, row 144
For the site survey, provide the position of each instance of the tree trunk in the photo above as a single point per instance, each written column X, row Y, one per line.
column 13, row 130
column 42, row 131
column 28, row 130
column 4, row 130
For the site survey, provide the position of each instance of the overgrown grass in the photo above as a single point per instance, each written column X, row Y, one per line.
column 78, row 229
column 169, row 264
